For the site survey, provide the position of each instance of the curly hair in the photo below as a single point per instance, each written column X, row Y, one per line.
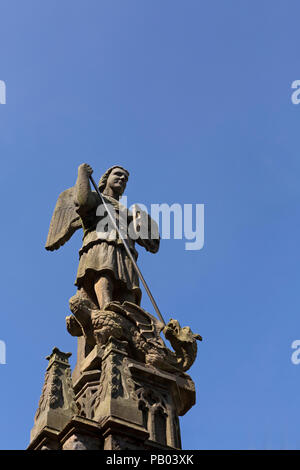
column 104, row 178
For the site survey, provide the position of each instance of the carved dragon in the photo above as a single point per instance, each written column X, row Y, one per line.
column 141, row 330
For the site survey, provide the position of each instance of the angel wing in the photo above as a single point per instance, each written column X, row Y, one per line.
column 65, row 220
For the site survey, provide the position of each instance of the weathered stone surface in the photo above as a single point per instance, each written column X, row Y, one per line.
column 141, row 330
column 117, row 402
column 79, row 441
column 105, row 271
column 128, row 388
column 130, row 393
column 57, row 403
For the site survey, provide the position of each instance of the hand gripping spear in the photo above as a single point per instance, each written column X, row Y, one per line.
column 128, row 252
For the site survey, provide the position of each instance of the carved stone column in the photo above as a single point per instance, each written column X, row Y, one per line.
column 134, row 405
column 114, row 404
column 128, row 389
column 57, row 403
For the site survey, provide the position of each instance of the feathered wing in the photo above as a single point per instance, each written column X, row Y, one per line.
column 65, row 220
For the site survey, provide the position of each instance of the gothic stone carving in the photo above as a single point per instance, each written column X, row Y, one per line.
column 57, row 403
column 141, row 330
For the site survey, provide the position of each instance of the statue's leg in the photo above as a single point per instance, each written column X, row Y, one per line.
column 103, row 287
column 126, row 295
column 129, row 297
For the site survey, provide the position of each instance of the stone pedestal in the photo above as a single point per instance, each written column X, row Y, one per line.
column 57, row 403
column 114, row 403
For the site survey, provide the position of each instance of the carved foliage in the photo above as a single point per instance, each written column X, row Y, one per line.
column 57, row 392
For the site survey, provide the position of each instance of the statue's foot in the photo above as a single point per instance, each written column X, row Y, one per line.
column 114, row 305
column 128, row 303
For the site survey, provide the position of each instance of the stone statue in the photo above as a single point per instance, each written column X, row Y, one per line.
column 107, row 302
column 105, row 272
column 128, row 388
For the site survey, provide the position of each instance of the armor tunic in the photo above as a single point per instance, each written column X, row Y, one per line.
column 104, row 252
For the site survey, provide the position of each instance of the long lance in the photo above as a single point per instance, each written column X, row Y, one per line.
column 128, row 251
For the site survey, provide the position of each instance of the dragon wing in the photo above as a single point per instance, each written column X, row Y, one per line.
column 65, row 220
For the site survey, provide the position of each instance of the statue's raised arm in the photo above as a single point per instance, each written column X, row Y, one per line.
column 70, row 205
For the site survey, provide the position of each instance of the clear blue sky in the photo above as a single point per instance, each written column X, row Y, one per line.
column 194, row 98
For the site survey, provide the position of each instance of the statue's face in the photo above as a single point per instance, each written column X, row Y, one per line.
column 117, row 180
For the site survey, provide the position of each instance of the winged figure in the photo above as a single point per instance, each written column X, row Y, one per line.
column 105, row 272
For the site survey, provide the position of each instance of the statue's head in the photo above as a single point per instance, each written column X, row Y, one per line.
column 114, row 178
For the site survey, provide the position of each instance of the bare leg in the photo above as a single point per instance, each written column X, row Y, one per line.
column 104, row 290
